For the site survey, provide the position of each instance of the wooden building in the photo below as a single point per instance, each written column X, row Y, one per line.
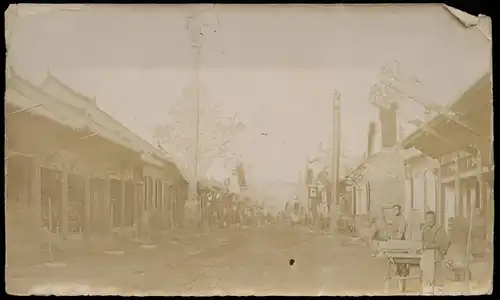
column 459, row 143
column 67, row 156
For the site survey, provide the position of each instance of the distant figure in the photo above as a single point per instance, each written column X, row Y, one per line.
column 434, row 247
column 398, row 230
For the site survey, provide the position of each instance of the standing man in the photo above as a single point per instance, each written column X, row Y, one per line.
column 397, row 231
column 434, row 247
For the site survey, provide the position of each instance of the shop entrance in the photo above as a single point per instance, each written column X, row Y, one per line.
column 76, row 203
column 116, row 202
column 51, row 208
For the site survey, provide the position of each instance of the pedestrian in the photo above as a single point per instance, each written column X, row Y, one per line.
column 397, row 232
column 435, row 245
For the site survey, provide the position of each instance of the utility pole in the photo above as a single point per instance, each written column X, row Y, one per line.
column 196, row 35
column 333, row 209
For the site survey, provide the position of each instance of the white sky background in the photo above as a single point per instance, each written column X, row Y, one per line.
column 276, row 66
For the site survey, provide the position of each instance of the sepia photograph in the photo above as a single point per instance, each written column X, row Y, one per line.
column 238, row 150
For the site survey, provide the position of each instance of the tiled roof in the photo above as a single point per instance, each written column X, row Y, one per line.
column 24, row 95
column 481, row 84
column 56, row 88
column 59, row 103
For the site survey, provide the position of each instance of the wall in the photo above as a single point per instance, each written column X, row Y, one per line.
column 385, row 176
column 62, row 148
column 420, row 191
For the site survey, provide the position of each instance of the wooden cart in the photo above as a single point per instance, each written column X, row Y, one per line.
column 397, row 253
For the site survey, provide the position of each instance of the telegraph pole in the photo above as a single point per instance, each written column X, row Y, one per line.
column 196, row 35
column 334, row 210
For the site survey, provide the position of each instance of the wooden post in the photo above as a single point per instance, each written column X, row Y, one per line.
column 468, row 255
column 162, row 197
column 171, row 206
column 51, row 256
column 458, row 198
column 107, row 220
column 426, row 198
column 36, row 192
column 135, row 201
column 64, row 204
column 87, row 205
column 334, row 209
column 122, row 203
column 437, row 191
column 154, row 194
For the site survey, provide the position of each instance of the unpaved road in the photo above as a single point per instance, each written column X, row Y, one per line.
column 248, row 261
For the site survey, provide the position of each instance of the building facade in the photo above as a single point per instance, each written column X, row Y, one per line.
column 459, row 143
column 68, row 167
column 376, row 184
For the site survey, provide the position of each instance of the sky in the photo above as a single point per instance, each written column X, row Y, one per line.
column 275, row 67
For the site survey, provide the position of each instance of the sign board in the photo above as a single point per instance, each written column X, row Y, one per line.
column 314, row 192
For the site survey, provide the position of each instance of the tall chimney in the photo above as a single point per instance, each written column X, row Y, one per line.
column 388, row 124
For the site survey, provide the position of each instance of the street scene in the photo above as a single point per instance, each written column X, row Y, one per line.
column 202, row 150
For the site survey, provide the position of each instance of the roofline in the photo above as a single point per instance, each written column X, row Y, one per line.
column 69, row 89
column 437, row 119
column 145, row 147
column 374, row 155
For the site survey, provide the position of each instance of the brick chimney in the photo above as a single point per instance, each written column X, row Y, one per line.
column 388, row 125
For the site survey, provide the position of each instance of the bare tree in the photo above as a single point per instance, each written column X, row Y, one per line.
column 217, row 131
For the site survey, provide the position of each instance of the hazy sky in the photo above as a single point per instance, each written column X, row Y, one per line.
column 275, row 66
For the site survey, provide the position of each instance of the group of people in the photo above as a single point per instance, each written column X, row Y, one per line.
column 297, row 214
column 434, row 247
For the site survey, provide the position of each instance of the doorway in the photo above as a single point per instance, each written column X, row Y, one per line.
column 76, row 203
column 116, row 202
column 51, row 208
column 18, row 182
column 129, row 203
column 98, row 216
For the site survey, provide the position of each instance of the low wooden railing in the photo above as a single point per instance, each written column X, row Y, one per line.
column 465, row 164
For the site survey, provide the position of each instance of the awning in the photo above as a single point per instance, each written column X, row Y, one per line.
column 471, row 124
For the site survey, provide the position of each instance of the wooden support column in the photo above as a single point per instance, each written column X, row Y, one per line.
column 425, row 187
column 36, row 192
column 163, row 198
column 140, row 201
column 457, row 188
column 481, row 186
column 87, row 205
column 440, row 208
column 135, row 202
column 408, row 201
column 107, row 213
column 171, row 206
column 122, row 203
column 64, row 204
column 153, row 193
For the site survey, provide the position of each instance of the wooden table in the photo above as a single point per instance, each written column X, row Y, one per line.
column 395, row 258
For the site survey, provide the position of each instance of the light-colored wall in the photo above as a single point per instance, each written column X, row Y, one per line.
column 424, row 186
column 386, row 175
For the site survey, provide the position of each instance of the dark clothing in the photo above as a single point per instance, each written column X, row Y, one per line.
column 435, row 238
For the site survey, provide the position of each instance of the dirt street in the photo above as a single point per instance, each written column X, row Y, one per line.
column 248, row 261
